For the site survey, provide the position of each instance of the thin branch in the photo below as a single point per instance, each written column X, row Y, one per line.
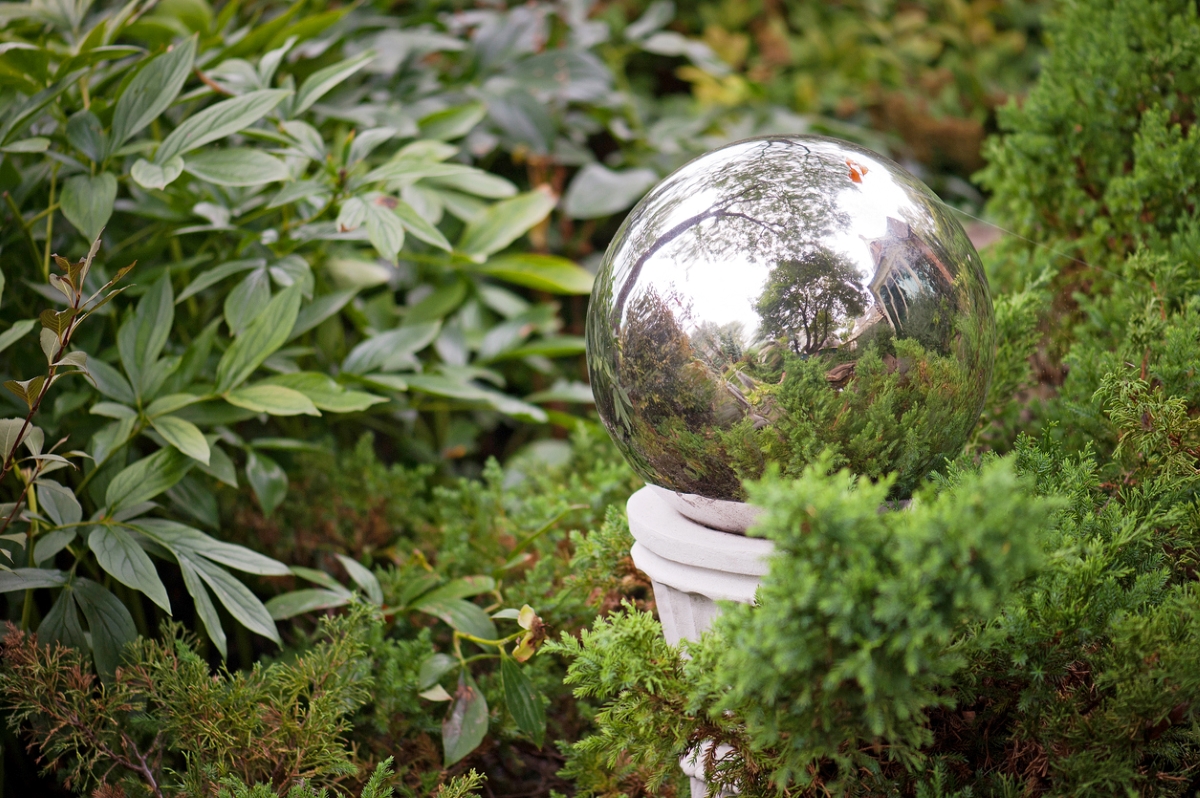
column 141, row 766
column 212, row 84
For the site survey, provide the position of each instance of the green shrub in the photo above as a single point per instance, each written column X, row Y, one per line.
column 1031, row 631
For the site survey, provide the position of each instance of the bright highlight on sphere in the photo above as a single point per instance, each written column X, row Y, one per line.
column 780, row 296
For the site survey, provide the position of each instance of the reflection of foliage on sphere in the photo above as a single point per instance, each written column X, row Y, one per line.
column 901, row 413
column 783, row 296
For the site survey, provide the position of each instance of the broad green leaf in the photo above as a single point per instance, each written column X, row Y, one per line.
column 146, row 478
column 243, row 605
column 505, row 222
column 292, row 270
column 205, row 608
column 180, row 538
column 554, row 346
column 324, row 392
column 437, row 305
column 384, row 228
column 57, row 322
column 523, row 700
column 16, row 332
column 34, row 144
column 170, row 403
column 61, row 625
column 657, row 14
column 461, row 615
column 318, row 577
column 218, row 121
column 120, row 555
column 307, row 140
column 466, row 726
column 19, row 115
column 352, row 214
column 28, row 390
column 436, row 693
column 313, row 191
column 197, row 499
column 452, row 123
column 392, row 348
column 433, row 668
column 110, row 624
column 236, row 166
column 213, row 413
column 110, row 438
column 440, row 385
column 417, row 586
column 543, row 272
column 220, row 467
column 194, row 358
column 415, row 224
column 297, row 602
column 363, row 578
column 86, row 134
column 267, row 479
column 406, row 170
column 247, row 300
column 141, row 339
column 463, row 587
column 273, row 399
column 476, row 182
column 183, row 435
column 266, row 333
column 152, row 91
column 51, row 543
column 153, row 175
column 597, row 191
column 217, row 274
column 30, row 579
column 110, row 382
column 286, row 445
column 34, row 439
column 12, row 432
column 563, row 391
column 367, row 141
column 321, row 82
column 87, row 202
column 58, row 502
column 355, row 274
column 319, row 310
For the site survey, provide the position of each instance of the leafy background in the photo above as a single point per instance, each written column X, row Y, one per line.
column 375, row 218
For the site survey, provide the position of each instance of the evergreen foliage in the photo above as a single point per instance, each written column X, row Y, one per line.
column 166, row 725
column 1025, row 628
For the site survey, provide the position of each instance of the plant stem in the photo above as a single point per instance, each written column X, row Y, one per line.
column 50, row 224
column 480, row 641
column 524, row 544
column 39, row 216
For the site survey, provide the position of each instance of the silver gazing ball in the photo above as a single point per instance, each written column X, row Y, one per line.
column 778, row 297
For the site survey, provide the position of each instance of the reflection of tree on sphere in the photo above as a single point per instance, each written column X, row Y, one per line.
column 809, row 298
column 760, row 305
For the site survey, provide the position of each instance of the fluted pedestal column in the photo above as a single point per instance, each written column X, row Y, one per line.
column 691, row 567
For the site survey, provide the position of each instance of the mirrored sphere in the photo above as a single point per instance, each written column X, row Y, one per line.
column 782, row 296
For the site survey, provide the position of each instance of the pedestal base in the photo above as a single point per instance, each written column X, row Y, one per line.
column 691, row 567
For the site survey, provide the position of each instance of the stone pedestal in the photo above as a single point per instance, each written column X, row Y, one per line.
column 691, row 567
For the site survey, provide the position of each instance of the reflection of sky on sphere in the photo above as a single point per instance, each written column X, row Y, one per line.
column 724, row 289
